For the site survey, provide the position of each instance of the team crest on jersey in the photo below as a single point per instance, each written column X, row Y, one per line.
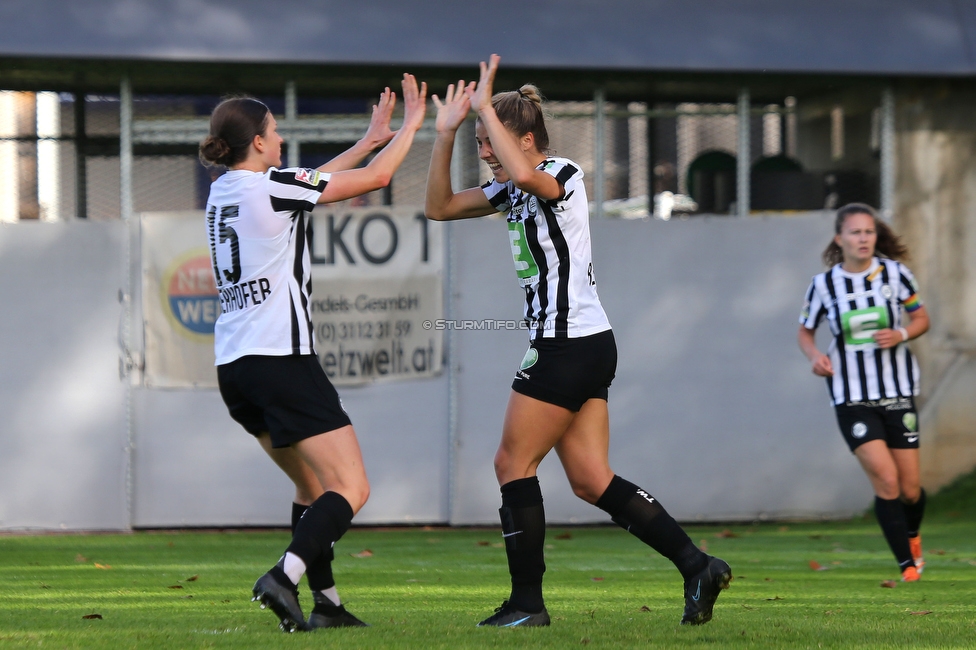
column 309, row 176
column 189, row 295
column 886, row 291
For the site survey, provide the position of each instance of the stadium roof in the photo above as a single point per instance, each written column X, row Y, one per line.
column 879, row 38
column 925, row 37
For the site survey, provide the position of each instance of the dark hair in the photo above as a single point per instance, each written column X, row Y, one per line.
column 233, row 125
column 521, row 112
column 888, row 243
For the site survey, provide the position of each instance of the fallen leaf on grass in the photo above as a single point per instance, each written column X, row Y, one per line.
column 922, row 612
column 645, row 608
column 597, row 579
column 45, row 586
column 938, row 551
column 92, row 616
column 776, row 598
column 751, row 609
column 363, row 553
column 483, row 543
column 81, row 558
column 703, row 546
column 888, row 584
column 102, row 566
column 564, row 536
column 768, row 579
column 816, row 566
column 189, row 596
column 783, row 529
column 175, row 587
column 584, row 640
column 727, row 534
column 193, row 578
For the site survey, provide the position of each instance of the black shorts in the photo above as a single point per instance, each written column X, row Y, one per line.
column 289, row 397
column 567, row 372
column 893, row 420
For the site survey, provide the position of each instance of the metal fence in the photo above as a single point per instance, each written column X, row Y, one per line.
column 103, row 157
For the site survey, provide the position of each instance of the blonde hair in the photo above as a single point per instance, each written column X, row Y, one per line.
column 521, row 112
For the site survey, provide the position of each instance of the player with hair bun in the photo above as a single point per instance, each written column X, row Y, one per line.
column 559, row 394
column 872, row 377
column 269, row 375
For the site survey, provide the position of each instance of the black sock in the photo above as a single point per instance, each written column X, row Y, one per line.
column 641, row 515
column 913, row 514
column 524, row 530
column 297, row 510
column 320, row 527
column 891, row 518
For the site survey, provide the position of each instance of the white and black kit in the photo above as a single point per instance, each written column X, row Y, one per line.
column 572, row 355
column 258, row 232
column 872, row 389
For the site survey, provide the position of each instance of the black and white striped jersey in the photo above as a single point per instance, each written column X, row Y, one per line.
column 258, row 231
column 551, row 246
column 856, row 305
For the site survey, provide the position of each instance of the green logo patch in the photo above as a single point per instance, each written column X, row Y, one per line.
column 531, row 356
column 910, row 420
column 525, row 266
column 859, row 325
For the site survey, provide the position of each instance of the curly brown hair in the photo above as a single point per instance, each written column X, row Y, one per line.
column 888, row 244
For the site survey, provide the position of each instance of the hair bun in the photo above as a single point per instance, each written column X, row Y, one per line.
column 530, row 92
column 214, row 150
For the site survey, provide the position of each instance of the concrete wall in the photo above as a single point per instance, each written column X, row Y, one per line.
column 713, row 408
column 935, row 210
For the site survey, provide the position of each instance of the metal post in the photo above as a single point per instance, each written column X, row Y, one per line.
column 887, row 154
column 743, row 155
column 125, row 148
column 125, row 294
column 291, row 119
column 599, row 173
column 81, row 170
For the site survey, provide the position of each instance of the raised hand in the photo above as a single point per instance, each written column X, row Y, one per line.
column 481, row 95
column 452, row 111
column 414, row 102
column 379, row 133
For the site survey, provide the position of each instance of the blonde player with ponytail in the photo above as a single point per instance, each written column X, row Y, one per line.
column 560, row 391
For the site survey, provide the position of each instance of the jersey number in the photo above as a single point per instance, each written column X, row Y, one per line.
column 221, row 233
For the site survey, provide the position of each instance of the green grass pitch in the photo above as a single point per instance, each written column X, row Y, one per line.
column 426, row 588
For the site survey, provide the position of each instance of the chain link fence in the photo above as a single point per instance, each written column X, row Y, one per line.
column 60, row 153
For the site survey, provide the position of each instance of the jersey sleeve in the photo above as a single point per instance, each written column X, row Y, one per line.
column 568, row 175
column 498, row 195
column 908, row 289
column 813, row 307
column 295, row 189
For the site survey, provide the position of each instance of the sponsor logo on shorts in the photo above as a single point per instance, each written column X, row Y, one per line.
column 530, row 358
column 910, row 420
column 912, row 438
column 859, row 430
column 521, row 374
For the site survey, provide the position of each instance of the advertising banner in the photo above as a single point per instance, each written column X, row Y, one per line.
column 377, row 285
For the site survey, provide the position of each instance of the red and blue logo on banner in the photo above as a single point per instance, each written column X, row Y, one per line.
column 191, row 294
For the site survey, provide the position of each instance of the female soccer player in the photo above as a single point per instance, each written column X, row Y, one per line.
column 872, row 376
column 267, row 369
column 559, row 395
